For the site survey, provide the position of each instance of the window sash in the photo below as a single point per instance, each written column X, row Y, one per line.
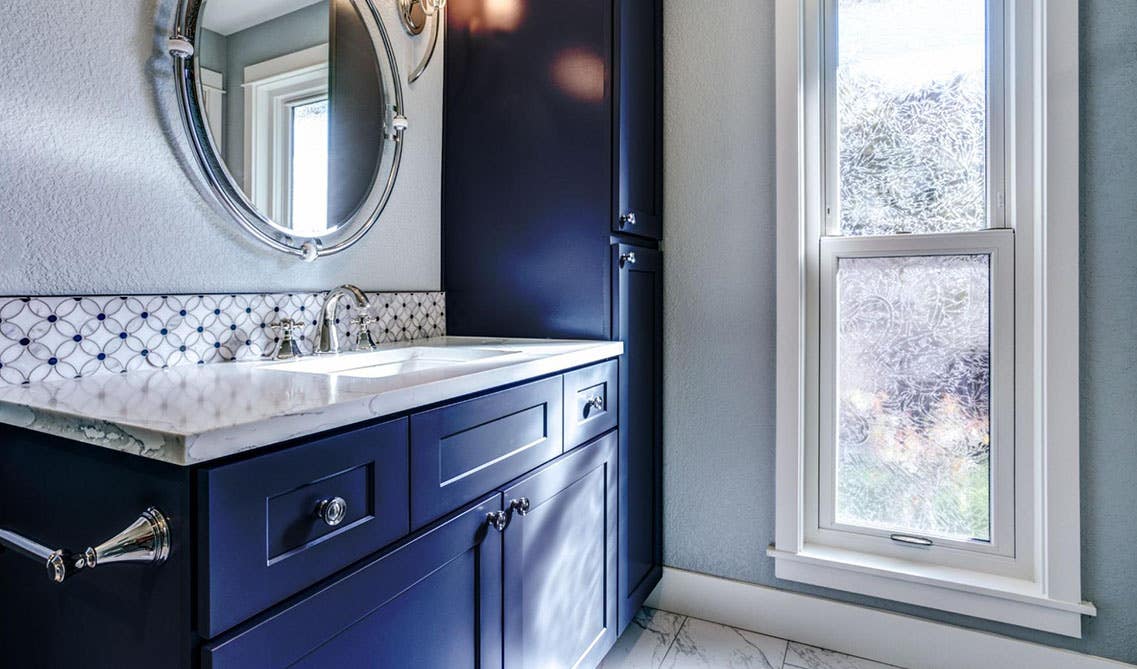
column 999, row 553
column 996, row 169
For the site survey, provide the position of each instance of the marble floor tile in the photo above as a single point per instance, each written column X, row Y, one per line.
column 800, row 656
column 701, row 644
column 646, row 641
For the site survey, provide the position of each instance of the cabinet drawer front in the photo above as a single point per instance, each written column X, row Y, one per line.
column 460, row 451
column 261, row 536
column 591, row 403
column 433, row 602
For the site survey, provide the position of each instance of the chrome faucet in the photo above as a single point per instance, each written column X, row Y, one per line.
column 327, row 335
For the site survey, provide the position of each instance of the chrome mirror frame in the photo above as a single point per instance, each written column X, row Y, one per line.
column 225, row 189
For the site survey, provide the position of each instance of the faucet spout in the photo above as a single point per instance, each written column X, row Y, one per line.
column 327, row 333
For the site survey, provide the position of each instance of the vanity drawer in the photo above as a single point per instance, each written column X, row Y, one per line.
column 432, row 602
column 262, row 538
column 591, row 402
column 462, row 450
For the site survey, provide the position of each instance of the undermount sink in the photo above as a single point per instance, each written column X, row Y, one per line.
column 379, row 364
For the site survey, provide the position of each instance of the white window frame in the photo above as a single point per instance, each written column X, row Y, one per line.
column 1037, row 583
column 272, row 89
column 213, row 100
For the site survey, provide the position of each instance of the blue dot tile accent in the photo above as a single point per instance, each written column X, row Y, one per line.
column 132, row 332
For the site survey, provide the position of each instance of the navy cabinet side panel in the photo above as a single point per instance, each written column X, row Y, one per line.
column 67, row 495
column 527, row 169
column 639, row 321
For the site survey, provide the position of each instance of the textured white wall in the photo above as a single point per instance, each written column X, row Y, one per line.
column 719, row 286
column 94, row 197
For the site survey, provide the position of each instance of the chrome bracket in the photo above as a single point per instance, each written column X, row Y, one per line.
column 146, row 541
column 415, row 14
column 180, row 47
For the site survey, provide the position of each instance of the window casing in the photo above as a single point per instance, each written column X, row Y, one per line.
column 1026, row 570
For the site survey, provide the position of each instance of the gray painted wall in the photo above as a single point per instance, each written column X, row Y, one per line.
column 213, row 51
column 719, row 282
column 96, row 199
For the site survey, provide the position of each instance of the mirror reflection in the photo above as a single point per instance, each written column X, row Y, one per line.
column 293, row 100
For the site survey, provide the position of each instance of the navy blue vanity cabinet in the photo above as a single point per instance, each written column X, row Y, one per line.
column 435, row 601
column 639, row 118
column 261, row 536
column 480, row 533
column 560, row 561
column 638, row 290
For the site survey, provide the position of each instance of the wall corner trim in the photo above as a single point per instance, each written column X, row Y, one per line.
column 857, row 630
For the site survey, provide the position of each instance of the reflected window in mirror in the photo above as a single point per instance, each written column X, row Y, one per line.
column 308, row 162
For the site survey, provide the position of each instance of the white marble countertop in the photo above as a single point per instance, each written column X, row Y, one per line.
column 189, row 415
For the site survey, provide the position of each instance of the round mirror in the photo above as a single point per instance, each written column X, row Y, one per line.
column 295, row 114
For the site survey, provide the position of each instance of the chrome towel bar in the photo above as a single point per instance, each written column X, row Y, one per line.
column 146, row 541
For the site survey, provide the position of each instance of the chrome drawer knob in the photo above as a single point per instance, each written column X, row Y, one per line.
column 521, row 506
column 628, row 219
column 594, row 404
column 627, row 259
column 497, row 520
column 332, row 511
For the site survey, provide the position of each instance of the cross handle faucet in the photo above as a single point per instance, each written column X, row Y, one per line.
column 328, row 336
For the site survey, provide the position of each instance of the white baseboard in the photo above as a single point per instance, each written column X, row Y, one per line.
column 857, row 630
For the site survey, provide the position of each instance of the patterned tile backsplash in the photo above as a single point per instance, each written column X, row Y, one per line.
column 45, row 338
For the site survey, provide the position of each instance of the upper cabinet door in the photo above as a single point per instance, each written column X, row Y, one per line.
column 527, row 172
column 638, row 295
column 560, row 561
column 639, row 119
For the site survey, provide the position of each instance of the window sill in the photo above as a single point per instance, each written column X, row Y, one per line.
column 1000, row 598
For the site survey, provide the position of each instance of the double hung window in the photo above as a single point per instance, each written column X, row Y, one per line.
column 927, row 375
column 916, row 282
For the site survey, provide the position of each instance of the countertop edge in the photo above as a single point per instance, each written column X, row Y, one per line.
column 197, row 448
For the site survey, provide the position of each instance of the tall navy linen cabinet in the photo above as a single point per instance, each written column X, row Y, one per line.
column 552, row 210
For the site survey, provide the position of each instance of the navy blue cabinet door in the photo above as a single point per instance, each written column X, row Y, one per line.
column 638, row 287
column 560, row 561
column 639, row 117
column 527, row 168
column 433, row 602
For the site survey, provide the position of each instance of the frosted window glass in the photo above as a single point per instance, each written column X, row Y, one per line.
column 911, row 116
column 913, row 392
column 310, row 168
